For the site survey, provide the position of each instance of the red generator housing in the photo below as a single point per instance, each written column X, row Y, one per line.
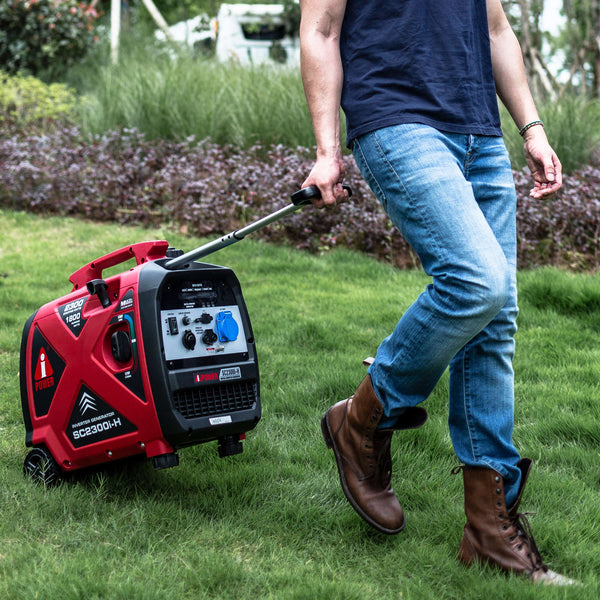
column 143, row 362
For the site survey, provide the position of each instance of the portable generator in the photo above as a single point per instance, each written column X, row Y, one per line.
column 146, row 361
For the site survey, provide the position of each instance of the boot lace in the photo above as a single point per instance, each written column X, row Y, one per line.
column 525, row 535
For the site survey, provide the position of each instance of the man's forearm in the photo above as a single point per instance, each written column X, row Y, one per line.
column 509, row 71
column 322, row 75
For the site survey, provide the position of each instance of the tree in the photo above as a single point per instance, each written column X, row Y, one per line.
column 525, row 19
column 581, row 40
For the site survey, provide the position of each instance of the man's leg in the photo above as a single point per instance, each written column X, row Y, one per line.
column 418, row 175
column 421, row 177
column 481, row 374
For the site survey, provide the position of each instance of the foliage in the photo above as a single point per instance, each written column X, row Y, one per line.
column 36, row 35
column 291, row 15
column 564, row 230
column 525, row 18
column 566, row 58
column 174, row 99
column 207, row 189
column 28, row 106
column 580, row 41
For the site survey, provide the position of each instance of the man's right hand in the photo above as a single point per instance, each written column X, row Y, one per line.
column 328, row 174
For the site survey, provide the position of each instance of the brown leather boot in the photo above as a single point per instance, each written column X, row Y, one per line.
column 499, row 535
column 363, row 456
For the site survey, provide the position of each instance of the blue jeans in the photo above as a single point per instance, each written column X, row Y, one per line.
column 452, row 196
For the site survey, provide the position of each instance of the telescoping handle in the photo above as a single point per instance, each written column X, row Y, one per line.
column 299, row 199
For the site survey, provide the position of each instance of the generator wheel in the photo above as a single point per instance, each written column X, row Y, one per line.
column 41, row 467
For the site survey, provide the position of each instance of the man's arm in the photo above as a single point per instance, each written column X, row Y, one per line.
column 513, row 90
column 322, row 75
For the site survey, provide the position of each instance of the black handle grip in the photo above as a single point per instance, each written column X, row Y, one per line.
column 305, row 195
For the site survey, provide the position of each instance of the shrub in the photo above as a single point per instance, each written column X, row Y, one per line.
column 29, row 106
column 38, row 34
column 207, row 190
column 565, row 229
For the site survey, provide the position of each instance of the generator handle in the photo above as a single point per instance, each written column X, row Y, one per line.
column 142, row 252
column 299, row 199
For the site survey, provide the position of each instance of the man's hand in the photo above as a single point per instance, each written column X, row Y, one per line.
column 543, row 163
column 328, row 174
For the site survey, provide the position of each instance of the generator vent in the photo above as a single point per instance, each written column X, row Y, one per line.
column 215, row 399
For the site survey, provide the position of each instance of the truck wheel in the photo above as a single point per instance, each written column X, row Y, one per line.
column 41, row 467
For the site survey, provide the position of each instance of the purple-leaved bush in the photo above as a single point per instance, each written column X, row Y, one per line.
column 208, row 190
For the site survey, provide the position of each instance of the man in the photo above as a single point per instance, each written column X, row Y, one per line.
column 417, row 80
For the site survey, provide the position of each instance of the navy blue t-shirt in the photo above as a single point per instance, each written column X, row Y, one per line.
column 418, row 61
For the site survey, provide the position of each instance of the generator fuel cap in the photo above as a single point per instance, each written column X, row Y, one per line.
column 120, row 346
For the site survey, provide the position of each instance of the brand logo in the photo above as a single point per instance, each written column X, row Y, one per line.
column 200, row 377
column 87, row 402
column 93, row 420
column 43, row 372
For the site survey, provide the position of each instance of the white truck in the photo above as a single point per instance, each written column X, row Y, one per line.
column 244, row 33
column 255, row 33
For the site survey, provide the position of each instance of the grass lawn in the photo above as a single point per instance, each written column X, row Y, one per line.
column 272, row 523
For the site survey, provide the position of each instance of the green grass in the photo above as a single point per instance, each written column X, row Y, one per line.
column 272, row 522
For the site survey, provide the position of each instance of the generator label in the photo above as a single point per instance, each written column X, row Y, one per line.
column 126, row 302
column 93, row 420
column 220, row 420
column 71, row 313
column 230, row 373
column 47, row 368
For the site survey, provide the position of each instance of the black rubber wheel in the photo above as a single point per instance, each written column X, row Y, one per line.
column 41, row 467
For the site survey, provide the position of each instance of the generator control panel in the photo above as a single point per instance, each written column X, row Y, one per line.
column 202, row 332
column 199, row 319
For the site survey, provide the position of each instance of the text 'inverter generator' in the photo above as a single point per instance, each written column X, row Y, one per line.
column 153, row 359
